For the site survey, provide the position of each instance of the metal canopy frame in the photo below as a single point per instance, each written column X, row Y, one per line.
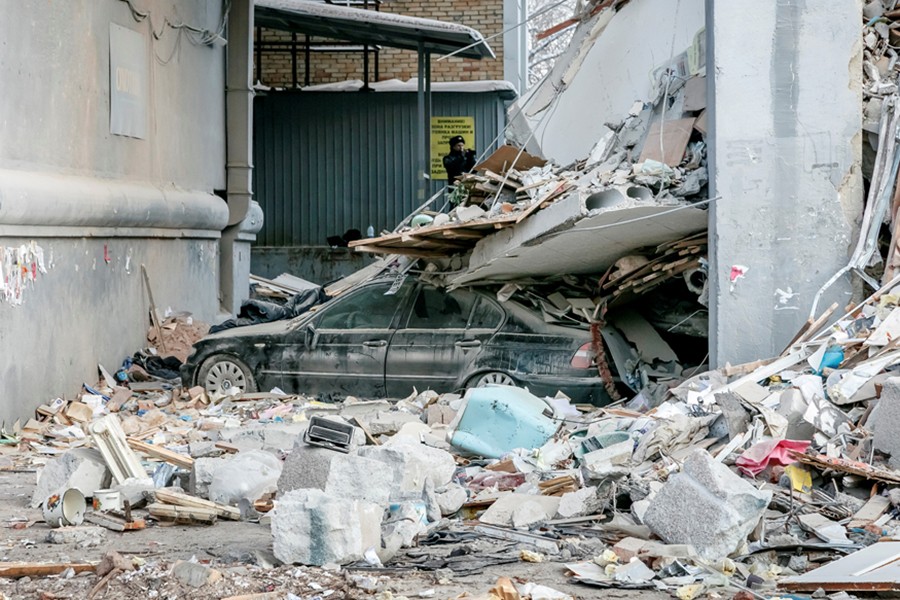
column 425, row 36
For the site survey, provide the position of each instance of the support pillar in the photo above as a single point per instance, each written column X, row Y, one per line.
column 785, row 155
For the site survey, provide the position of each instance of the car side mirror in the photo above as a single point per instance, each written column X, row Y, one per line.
column 311, row 337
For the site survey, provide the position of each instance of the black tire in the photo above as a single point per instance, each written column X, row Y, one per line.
column 220, row 373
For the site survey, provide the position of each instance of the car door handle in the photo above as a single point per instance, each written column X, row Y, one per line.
column 468, row 344
column 375, row 343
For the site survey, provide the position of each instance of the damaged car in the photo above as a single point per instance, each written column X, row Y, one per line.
column 383, row 339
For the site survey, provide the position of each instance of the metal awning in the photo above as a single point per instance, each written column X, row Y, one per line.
column 371, row 27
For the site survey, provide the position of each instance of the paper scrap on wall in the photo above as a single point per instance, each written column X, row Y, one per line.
column 20, row 267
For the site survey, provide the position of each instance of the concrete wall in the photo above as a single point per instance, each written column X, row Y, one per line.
column 99, row 205
column 327, row 67
column 607, row 67
column 786, row 165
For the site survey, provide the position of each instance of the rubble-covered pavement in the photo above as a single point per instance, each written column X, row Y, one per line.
column 775, row 478
column 751, row 479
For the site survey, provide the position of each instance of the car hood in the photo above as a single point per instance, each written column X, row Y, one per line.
column 259, row 330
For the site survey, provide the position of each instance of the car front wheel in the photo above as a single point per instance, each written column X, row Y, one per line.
column 491, row 378
column 219, row 375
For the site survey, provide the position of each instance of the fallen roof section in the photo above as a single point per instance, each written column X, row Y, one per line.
column 372, row 27
column 546, row 244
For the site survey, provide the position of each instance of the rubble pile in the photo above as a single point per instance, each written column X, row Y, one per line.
column 755, row 476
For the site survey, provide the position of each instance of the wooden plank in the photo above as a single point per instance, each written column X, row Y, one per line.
column 563, row 185
column 179, row 499
column 25, row 569
column 226, row 447
column 182, row 513
column 179, row 460
column 113, row 522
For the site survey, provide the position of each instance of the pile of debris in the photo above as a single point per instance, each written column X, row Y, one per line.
column 751, row 477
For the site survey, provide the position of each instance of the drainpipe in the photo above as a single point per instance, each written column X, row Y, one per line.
column 244, row 214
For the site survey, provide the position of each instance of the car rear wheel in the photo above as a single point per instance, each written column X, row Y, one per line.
column 219, row 375
column 491, row 378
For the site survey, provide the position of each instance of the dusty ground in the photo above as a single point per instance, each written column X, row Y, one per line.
column 242, row 552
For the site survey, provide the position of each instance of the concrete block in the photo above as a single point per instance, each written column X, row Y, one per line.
column 82, row 468
column 390, row 422
column 707, row 506
column 193, row 574
column 628, row 548
column 406, row 521
column 201, row 476
column 82, row 536
column 606, row 463
column 135, row 490
column 521, row 510
column 272, row 437
column 306, row 467
column 885, row 421
column 203, row 449
column 410, row 462
column 359, row 478
column 343, row 475
column 248, row 475
column 312, row 528
column 579, row 503
column 451, row 499
column 792, row 406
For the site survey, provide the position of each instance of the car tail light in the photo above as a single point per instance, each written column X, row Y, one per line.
column 585, row 357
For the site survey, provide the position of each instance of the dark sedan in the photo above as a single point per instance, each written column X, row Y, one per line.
column 383, row 339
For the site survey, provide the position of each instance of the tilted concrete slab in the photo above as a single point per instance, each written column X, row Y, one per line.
column 567, row 238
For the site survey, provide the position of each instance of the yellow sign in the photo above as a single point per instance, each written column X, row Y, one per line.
column 442, row 129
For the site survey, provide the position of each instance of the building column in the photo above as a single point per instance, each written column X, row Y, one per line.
column 785, row 83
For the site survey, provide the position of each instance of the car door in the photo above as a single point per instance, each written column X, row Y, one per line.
column 346, row 344
column 433, row 343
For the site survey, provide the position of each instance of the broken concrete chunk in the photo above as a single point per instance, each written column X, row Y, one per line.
column 82, row 468
column 579, row 503
column 390, row 422
column 312, row 528
column 82, row 536
column 707, row 506
column 306, row 467
column 409, row 463
column 358, row 478
column 885, row 421
column 193, row 574
column 521, row 510
column 202, row 472
column 607, row 462
column 451, row 499
column 273, row 437
column 247, row 475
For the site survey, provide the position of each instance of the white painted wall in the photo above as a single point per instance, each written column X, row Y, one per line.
column 786, row 157
column 100, row 205
column 614, row 72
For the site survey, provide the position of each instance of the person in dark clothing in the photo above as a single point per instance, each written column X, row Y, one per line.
column 460, row 160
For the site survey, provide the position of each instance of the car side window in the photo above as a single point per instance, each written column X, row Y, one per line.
column 437, row 309
column 369, row 308
column 486, row 315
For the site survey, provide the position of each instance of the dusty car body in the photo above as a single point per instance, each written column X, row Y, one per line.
column 382, row 340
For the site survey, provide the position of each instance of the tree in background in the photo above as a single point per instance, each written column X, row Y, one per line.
column 543, row 53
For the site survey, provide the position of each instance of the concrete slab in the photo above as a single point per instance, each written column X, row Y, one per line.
column 566, row 238
column 82, row 468
column 313, row 528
